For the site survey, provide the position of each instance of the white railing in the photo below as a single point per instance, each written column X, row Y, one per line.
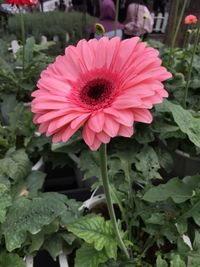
column 160, row 22
column 63, row 262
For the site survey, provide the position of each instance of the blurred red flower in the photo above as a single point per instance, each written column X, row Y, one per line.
column 22, row 2
column 190, row 19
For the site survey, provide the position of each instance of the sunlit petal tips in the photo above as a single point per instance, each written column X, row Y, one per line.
column 100, row 86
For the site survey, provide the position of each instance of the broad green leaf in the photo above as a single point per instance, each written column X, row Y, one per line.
column 15, row 165
column 11, row 260
column 160, row 262
column 88, row 256
column 5, row 201
column 95, row 230
column 31, row 216
column 186, row 122
column 177, row 262
column 147, row 163
column 54, row 245
column 174, row 189
column 35, row 182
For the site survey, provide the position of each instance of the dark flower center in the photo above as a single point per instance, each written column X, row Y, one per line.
column 96, row 91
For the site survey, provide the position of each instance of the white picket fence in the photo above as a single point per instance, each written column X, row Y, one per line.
column 160, row 22
column 63, row 262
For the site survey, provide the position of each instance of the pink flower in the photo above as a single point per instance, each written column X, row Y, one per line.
column 104, row 86
column 190, row 19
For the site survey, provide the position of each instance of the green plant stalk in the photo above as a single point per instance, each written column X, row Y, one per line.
column 105, row 181
column 177, row 28
column 116, row 16
column 190, row 66
column 22, row 37
column 186, row 39
column 142, row 35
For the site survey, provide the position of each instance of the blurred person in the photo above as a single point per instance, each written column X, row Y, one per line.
column 107, row 19
column 139, row 21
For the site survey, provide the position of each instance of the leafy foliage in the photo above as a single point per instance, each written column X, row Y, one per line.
column 15, row 165
column 96, row 231
column 10, row 260
column 88, row 256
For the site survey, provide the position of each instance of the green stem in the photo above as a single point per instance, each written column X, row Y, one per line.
column 105, row 181
column 186, row 39
column 116, row 16
column 142, row 35
column 22, row 37
column 178, row 27
column 190, row 66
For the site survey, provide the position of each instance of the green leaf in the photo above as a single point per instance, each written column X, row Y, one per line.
column 7, row 106
column 89, row 164
column 88, row 256
column 54, row 245
column 177, row 262
column 15, row 165
column 174, row 189
column 95, row 230
column 196, row 243
column 186, row 122
column 35, row 182
column 160, row 262
column 31, row 216
column 156, row 218
column 28, row 49
column 148, row 163
column 11, row 260
column 36, row 242
column 5, row 201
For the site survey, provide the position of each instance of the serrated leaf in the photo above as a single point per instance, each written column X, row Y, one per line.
column 31, row 216
column 174, row 189
column 11, row 260
column 88, row 256
column 95, row 230
column 5, row 201
column 15, row 165
column 160, row 262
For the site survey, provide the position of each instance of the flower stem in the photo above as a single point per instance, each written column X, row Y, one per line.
column 190, row 66
column 22, row 37
column 116, row 16
column 178, row 26
column 105, row 181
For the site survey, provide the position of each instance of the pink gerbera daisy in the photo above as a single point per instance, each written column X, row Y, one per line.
column 101, row 85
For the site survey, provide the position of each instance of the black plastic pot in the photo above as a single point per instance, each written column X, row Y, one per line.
column 185, row 165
